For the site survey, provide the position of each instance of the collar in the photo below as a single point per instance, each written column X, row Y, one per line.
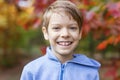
column 77, row 59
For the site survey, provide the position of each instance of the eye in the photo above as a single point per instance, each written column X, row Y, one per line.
column 73, row 27
column 56, row 28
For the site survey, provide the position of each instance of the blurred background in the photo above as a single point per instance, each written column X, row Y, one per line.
column 21, row 39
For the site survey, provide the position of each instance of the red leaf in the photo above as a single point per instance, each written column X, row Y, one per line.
column 86, row 2
column 114, row 9
column 86, row 29
column 40, row 5
column 117, row 40
column 102, row 45
column 110, row 40
column 111, row 72
column 43, row 50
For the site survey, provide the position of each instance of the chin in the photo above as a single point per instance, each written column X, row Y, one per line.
column 65, row 52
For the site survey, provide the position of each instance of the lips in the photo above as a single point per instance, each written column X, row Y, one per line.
column 64, row 43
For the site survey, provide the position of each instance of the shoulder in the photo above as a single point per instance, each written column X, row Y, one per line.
column 35, row 64
column 86, row 61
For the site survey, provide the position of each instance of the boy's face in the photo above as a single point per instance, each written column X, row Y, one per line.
column 63, row 34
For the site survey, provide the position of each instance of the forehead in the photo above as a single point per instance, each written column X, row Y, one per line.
column 61, row 17
column 62, row 12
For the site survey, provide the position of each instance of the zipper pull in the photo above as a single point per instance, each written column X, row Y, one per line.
column 62, row 71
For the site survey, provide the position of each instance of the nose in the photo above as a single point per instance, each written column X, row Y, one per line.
column 65, row 33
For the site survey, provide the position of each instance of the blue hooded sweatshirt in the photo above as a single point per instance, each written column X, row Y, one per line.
column 48, row 67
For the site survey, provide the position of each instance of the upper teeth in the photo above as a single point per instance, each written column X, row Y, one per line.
column 64, row 43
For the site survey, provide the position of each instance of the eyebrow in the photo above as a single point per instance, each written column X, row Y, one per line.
column 74, row 23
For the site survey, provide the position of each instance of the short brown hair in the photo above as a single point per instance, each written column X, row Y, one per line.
column 67, row 7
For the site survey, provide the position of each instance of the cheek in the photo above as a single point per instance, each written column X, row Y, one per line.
column 52, row 37
column 76, row 36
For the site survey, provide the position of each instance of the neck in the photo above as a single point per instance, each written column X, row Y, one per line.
column 64, row 58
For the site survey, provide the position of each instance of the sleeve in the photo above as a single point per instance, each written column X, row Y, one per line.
column 97, row 76
column 26, row 75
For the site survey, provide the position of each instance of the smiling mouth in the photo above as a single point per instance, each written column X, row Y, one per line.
column 64, row 43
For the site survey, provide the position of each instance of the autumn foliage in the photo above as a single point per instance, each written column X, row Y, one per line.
column 101, row 18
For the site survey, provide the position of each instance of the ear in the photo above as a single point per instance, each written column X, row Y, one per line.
column 80, row 34
column 45, row 33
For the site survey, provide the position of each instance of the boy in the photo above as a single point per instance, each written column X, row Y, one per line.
column 62, row 26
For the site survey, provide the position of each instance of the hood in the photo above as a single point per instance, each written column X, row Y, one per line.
column 78, row 59
column 84, row 60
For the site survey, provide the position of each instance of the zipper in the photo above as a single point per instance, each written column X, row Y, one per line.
column 62, row 71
